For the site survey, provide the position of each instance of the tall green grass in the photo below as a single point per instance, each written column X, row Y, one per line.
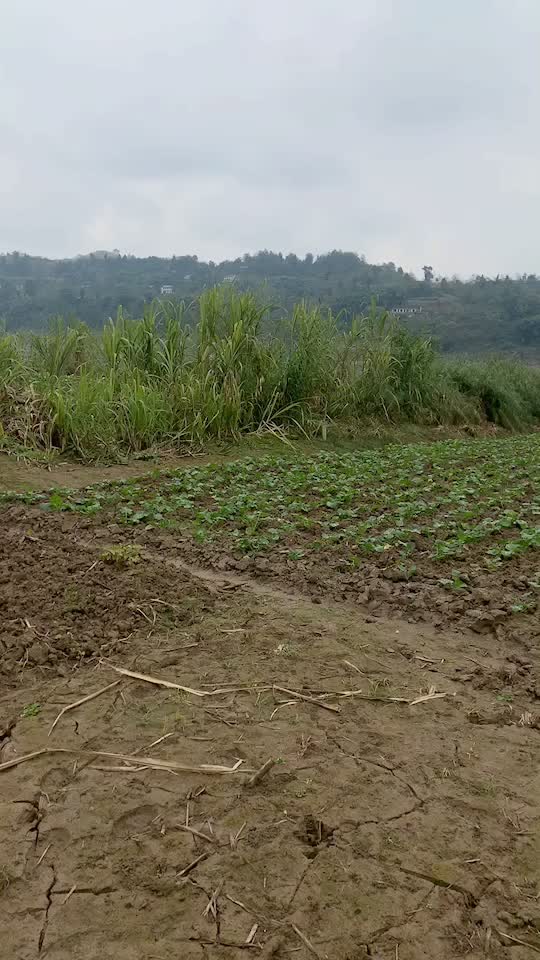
column 182, row 375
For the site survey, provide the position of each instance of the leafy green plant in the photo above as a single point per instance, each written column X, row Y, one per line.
column 31, row 710
column 122, row 555
column 401, row 508
column 455, row 582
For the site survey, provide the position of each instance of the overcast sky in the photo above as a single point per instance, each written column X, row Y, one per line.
column 407, row 130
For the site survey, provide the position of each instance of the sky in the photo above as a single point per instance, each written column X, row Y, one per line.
column 404, row 130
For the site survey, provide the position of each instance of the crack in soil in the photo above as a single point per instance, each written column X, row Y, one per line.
column 392, row 770
column 299, row 883
column 471, row 899
column 49, row 898
column 420, row 801
column 378, row 820
column 6, row 732
column 36, row 815
column 396, row 924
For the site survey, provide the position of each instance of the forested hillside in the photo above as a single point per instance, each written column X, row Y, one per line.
column 477, row 316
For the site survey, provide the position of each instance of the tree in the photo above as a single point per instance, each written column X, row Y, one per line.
column 529, row 330
column 428, row 274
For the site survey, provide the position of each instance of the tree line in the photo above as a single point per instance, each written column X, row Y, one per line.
column 481, row 315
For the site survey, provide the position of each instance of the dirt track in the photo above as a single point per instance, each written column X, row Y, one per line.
column 387, row 829
column 40, row 475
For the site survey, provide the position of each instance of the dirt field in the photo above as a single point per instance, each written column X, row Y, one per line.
column 39, row 475
column 399, row 821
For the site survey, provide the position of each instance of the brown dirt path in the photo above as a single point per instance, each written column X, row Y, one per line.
column 38, row 475
column 389, row 829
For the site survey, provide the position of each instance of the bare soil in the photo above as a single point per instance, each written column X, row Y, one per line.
column 385, row 828
column 19, row 475
column 495, row 604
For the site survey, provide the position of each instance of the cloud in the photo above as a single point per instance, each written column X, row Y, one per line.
column 404, row 129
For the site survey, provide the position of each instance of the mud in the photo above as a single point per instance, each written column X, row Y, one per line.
column 386, row 829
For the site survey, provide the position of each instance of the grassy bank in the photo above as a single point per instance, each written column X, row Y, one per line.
column 217, row 374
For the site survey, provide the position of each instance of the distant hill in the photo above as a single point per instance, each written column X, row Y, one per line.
column 482, row 315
